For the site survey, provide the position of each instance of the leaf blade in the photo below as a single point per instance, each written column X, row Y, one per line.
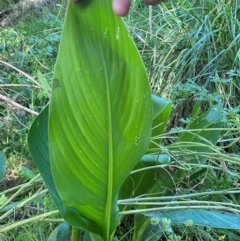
column 38, row 146
column 107, row 128
column 200, row 217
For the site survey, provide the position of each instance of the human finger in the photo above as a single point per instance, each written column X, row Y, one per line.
column 121, row 7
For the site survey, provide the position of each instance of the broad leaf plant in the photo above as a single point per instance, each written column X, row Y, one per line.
column 92, row 143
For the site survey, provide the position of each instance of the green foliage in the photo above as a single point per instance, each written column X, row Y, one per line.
column 60, row 233
column 200, row 138
column 190, row 49
column 194, row 48
column 113, row 164
column 99, row 196
column 147, row 229
column 40, row 152
column 2, row 165
column 199, row 217
column 21, row 202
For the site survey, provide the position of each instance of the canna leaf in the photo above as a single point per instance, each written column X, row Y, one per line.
column 202, row 140
column 38, row 146
column 141, row 183
column 100, row 112
column 91, row 237
column 60, row 233
column 201, row 217
column 198, row 140
column 145, row 231
column 161, row 109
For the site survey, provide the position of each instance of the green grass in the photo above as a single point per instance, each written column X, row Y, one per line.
column 191, row 50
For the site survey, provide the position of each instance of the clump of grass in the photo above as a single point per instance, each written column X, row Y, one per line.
column 29, row 44
column 191, row 48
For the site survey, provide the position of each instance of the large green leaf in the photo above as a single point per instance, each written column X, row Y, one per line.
column 38, row 146
column 161, row 110
column 100, row 112
column 60, row 233
column 210, row 218
column 91, row 237
column 198, row 138
column 156, row 181
column 144, row 230
column 140, row 183
column 202, row 140
column 2, row 165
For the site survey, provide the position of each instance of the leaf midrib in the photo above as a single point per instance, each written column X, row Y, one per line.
column 110, row 165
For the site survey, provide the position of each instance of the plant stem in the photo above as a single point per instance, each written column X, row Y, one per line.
column 207, row 207
column 178, row 203
column 21, row 204
column 23, row 187
column 21, row 72
column 19, row 85
column 40, row 217
column 76, row 234
column 173, row 164
column 196, row 130
column 224, row 192
column 13, row 103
